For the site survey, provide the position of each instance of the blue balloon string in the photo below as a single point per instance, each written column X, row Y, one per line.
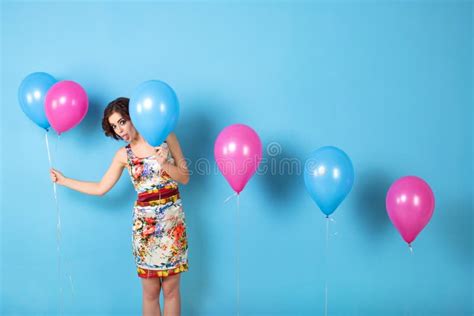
column 327, row 268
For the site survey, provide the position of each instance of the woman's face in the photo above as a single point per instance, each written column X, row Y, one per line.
column 122, row 127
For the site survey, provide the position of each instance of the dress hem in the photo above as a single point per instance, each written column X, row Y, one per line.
column 157, row 273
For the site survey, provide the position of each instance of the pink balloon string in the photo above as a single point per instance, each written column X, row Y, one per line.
column 237, row 250
column 237, row 264
column 58, row 231
column 230, row 197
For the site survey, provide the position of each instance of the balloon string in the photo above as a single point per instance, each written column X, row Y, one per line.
column 327, row 234
column 58, row 229
column 327, row 268
column 238, row 254
column 230, row 197
column 326, row 302
column 49, row 154
column 410, row 247
column 71, row 283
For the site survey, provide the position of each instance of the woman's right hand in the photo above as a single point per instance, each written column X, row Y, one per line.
column 57, row 177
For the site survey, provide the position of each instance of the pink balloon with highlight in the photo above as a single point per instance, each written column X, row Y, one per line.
column 410, row 204
column 238, row 152
column 66, row 104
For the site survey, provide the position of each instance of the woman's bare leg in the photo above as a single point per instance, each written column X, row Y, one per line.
column 151, row 297
column 171, row 294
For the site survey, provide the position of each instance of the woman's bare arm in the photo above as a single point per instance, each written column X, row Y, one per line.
column 109, row 179
column 179, row 171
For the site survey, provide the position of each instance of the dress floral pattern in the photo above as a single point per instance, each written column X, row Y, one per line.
column 159, row 240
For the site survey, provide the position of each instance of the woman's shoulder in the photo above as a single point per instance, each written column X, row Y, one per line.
column 121, row 155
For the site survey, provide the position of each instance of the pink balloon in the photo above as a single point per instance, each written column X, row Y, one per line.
column 410, row 204
column 238, row 152
column 66, row 104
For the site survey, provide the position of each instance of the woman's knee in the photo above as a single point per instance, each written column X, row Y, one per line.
column 151, row 289
column 171, row 286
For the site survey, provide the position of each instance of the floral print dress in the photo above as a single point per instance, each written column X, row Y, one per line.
column 159, row 240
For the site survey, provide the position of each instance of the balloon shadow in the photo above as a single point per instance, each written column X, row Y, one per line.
column 456, row 229
column 93, row 120
column 281, row 172
column 370, row 189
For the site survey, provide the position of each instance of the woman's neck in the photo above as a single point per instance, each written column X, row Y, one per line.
column 138, row 141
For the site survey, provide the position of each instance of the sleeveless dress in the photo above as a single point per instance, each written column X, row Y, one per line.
column 159, row 238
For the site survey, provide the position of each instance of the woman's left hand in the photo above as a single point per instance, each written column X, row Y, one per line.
column 161, row 154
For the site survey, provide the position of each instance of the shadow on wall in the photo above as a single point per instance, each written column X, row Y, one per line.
column 369, row 192
column 93, row 119
column 456, row 229
column 281, row 172
column 197, row 130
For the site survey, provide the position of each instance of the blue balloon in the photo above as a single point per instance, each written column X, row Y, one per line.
column 328, row 176
column 154, row 110
column 31, row 94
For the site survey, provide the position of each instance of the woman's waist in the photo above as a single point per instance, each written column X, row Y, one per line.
column 158, row 196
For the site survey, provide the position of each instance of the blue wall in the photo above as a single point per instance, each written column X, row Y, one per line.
column 390, row 83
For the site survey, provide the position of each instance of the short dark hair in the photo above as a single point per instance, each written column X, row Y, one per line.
column 119, row 105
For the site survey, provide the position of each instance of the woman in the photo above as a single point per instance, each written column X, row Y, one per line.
column 159, row 229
